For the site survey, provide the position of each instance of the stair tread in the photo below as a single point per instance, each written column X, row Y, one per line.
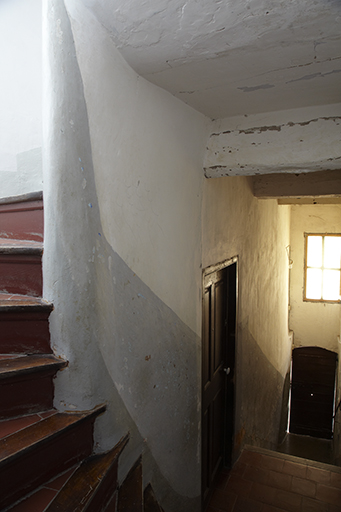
column 86, row 480
column 13, row 302
column 149, row 500
column 28, row 364
column 27, row 438
column 9, row 426
column 130, row 492
column 15, row 246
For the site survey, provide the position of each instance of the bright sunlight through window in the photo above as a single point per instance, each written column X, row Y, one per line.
column 322, row 272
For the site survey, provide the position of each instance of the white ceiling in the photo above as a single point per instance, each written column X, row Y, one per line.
column 232, row 57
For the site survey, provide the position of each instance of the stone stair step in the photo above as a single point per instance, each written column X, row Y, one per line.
column 93, row 486
column 26, row 384
column 22, row 217
column 34, row 455
column 130, row 495
column 24, row 324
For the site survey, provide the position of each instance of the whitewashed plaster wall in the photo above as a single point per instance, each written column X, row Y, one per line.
column 314, row 324
column 235, row 223
column 20, row 98
column 299, row 140
column 122, row 257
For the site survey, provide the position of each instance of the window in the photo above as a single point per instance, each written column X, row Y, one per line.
column 322, row 268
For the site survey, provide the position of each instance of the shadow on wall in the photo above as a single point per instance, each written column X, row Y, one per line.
column 106, row 320
column 261, row 394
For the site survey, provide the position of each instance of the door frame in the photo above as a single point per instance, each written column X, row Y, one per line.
column 206, row 272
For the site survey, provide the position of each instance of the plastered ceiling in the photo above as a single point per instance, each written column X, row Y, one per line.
column 232, row 57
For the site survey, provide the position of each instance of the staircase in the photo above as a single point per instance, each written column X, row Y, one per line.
column 46, row 457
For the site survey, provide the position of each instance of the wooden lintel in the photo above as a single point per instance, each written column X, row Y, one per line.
column 298, row 185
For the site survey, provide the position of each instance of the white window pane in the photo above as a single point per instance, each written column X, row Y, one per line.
column 331, row 285
column 314, row 251
column 332, row 251
column 314, row 283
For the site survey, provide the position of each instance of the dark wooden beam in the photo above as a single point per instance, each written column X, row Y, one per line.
column 309, row 188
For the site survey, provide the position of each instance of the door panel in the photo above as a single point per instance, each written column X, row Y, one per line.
column 215, row 383
column 312, row 392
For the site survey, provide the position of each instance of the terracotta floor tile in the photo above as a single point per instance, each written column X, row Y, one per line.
column 238, row 485
column 318, row 475
column 239, row 468
column 294, row 469
column 35, row 503
column 222, row 479
column 329, row 494
column 279, row 480
column 273, row 463
column 288, row 501
column 255, row 474
column 334, row 508
column 303, row 487
column 223, row 500
column 247, row 505
column 270, row 508
column 263, row 493
column 251, row 458
column 335, row 479
column 310, row 505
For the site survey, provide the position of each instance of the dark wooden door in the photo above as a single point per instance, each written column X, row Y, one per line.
column 312, row 392
column 219, row 298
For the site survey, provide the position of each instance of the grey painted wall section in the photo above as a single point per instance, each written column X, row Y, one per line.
column 235, row 223
column 20, row 98
column 127, row 345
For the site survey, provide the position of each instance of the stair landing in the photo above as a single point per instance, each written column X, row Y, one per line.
column 265, row 481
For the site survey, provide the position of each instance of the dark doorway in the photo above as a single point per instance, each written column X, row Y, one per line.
column 218, row 370
column 312, row 392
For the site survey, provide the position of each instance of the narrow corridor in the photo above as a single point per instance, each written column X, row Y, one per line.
column 265, row 481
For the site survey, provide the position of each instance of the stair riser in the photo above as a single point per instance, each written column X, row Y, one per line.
column 21, row 274
column 24, row 332
column 23, row 221
column 29, row 470
column 25, row 395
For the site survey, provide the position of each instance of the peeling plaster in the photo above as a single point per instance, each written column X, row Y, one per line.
column 220, row 49
column 315, row 75
column 247, row 148
column 256, row 88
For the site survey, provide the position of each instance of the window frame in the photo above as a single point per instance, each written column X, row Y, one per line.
column 305, row 299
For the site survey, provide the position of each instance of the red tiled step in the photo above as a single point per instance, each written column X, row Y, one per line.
column 20, row 267
column 35, row 454
column 12, row 425
column 39, row 500
column 130, row 492
column 93, row 486
column 22, row 217
column 24, row 326
column 26, row 384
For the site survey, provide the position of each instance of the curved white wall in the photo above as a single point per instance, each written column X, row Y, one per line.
column 122, row 257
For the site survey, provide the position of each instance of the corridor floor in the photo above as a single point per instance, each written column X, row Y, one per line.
column 265, row 481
